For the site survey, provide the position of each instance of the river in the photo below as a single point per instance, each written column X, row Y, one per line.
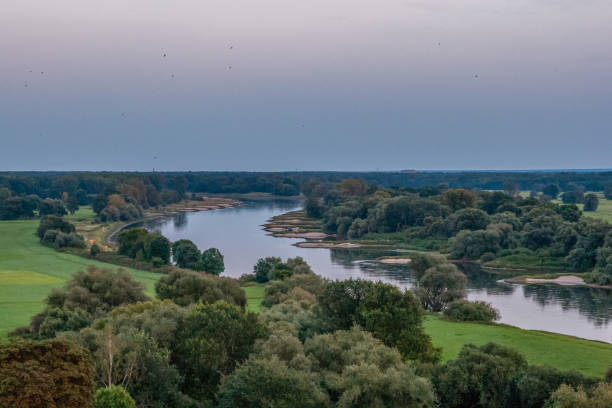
column 237, row 232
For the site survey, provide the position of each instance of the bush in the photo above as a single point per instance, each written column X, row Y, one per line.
column 53, row 222
column 114, row 396
column 466, row 311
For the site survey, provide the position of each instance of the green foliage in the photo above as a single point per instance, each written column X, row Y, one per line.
column 212, row 261
column 87, row 296
column 264, row 267
column 269, row 383
column 568, row 397
column 211, row 341
column 51, row 373
column 113, row 397
column 591, row 202
column 186, row 254
column 479, row 377
column 533, row 385
column 272, row 268
column 186, row 287
column 466, row 311
column 440, row 285
column 359, row 371
column 53, row 222
column 392, row 316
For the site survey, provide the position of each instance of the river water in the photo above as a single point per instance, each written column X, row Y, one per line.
column 238, row 233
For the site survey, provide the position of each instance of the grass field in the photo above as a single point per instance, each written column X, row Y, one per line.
column 29, row 270
column 254, row 295
column 563, row 352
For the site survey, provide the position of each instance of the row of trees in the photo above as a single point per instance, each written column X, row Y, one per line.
column 138, row 243
column 316, row 343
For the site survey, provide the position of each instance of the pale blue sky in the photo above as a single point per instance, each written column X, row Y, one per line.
column 313, row 85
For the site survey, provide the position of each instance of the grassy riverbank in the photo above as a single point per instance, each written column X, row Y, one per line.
column 29, row 270
column 563, row 352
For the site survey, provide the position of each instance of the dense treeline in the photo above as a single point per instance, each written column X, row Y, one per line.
column 101, row 342
column 122, row 196
column 470, row 224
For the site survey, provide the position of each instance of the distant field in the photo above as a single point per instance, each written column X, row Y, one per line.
column 604, row 211
column 563, row 352
column 29, row 270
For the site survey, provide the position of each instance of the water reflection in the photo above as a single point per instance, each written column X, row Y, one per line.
column 237, row 232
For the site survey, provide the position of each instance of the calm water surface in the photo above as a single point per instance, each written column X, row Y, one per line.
column 237, row 232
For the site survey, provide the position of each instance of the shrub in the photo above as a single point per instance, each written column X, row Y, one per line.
column 53, row 222
column 114, row 396
column 466, row 311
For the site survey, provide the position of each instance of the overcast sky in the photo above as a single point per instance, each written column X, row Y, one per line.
column 305, row 84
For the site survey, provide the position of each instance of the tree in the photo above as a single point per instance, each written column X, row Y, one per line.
column 270, row 383
column 608, row 191
column 113, row 397
column 480, row 377
column 264, row 267
column 133, row 241
column 358, row 370
column 533, row 385
column 458, row 198
column 186, row 287
column 591, row 202
column 53, row 222
column 51, row 373
column 49, row 206
column 212, row 260
column 158, row 247
column 551, row 190
column 211, row 341
column 186, row 254
column 441, row 285
column 392, row 316
column 569, row 397
column 99, row 203
column 72, row 204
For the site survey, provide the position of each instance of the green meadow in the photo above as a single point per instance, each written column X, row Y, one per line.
column 29, row 270
column 563, row 352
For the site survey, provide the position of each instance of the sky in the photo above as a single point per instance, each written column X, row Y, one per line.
column 273, row 85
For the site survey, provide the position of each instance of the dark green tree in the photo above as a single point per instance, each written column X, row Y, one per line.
column 591, row 202
column 211, row 341
column 212, row 261
column 186, row 254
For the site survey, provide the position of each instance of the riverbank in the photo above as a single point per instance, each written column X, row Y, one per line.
column 559, row 279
